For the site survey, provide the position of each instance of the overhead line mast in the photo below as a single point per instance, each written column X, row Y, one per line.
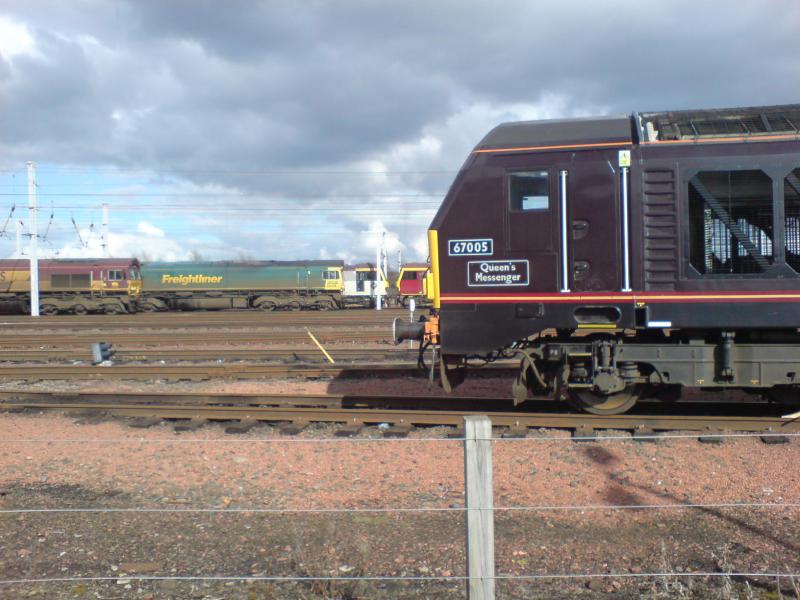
column 33, row 248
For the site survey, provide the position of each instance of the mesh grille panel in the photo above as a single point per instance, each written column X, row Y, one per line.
column 791, row 190
column 730, row 214
column 733, row 122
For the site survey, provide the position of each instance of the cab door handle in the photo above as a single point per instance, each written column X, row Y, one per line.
column 580, row 229
column 580, row 268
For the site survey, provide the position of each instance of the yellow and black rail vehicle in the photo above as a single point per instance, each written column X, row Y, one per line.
column 624, row 257
column 123, row 285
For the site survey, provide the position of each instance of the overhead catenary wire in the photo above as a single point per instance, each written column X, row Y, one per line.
column 177, row 205
column 8, row 219
column 265, row 195
column 49, row 224
column 78, row 233
column 265, row 171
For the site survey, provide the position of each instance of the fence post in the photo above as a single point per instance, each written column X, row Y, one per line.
column 480, row 507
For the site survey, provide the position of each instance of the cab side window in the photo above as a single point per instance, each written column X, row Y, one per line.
column 529, row 191
column 116, row 275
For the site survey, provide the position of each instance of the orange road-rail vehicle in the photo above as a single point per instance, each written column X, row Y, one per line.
column 624, row 257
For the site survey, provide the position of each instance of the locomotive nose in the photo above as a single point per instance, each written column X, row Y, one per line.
column 403, row 330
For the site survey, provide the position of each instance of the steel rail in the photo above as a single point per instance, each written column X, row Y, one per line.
column 226, row 353
column 329, row 409
column 179, row 337
column 196, row 372
column 204, row 319
column 194, row 398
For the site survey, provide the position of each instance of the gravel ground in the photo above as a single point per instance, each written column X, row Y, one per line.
column 110, row 465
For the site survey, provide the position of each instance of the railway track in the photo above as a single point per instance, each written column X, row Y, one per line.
column 187, row 320
column 307, row 354
column 181, row 372
column 173, row 337
column 401, row 411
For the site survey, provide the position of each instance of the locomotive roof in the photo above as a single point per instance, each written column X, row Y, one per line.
column 244, row 263
column 733, row 124
column 556, row 132
column 722, row 122
column 65, row 262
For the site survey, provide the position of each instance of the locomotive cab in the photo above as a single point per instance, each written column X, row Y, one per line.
column 412, row 283
column 363, row 284
column 625, row 256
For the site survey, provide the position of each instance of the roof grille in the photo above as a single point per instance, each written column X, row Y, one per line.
column 728, row 122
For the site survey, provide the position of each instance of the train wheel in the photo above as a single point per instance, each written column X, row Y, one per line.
column 147, row 307
column 599, row 404
column 112, row 309
column 294, row 306
column 79, row 309
column 48, row 309
column 266, row 306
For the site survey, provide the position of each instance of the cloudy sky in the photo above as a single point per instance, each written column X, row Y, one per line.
column 293, row 130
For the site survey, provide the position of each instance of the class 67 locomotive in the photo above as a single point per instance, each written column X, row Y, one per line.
column 623, row 257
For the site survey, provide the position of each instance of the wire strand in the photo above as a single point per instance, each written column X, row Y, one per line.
column 540, row 508
column 610, row 438
column 502, row 576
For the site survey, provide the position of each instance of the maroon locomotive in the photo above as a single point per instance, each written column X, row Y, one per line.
column 73, row 285
column 625, row 256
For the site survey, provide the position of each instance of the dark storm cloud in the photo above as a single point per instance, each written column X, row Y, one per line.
column 209, row 84
column 213, row 86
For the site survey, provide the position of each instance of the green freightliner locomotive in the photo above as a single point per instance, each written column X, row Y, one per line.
column 266, row 285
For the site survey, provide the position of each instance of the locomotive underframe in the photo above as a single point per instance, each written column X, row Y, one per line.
column 609, row 364
column 68, row 302
column 610, row 357
column 221, row 300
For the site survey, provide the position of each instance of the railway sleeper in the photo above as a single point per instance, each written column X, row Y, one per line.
column 349, row 430
column 188, row 425
column 400, row 430
column 292, row 427
column 144, row 422
column 240, row 427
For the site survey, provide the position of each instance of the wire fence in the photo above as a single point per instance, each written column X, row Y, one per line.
column 473, row 582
